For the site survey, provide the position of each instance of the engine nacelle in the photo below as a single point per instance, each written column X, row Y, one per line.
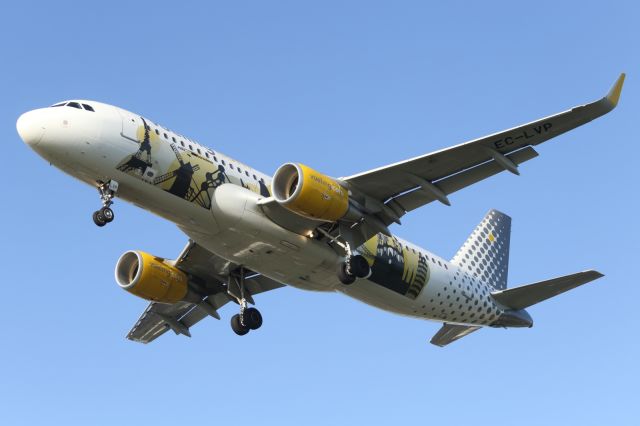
column 151, row 278
column 309, row 193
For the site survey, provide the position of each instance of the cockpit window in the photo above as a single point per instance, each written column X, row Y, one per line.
column 60, row 104
column 88, row 107
column 74, row 105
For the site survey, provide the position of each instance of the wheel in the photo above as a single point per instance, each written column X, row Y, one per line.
column 99, row 219
column 360, row 267
column 107, row 213
column 343, row 276
column 237, row 326
column 252, row 318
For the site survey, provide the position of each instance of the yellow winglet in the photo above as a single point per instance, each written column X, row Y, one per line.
column 614, row 94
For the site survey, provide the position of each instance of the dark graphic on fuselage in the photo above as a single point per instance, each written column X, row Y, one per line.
column 178, row 172
column 396, row 266
column 135, row 164
column 181, row 177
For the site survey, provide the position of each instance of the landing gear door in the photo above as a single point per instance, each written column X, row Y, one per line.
column 132, row 126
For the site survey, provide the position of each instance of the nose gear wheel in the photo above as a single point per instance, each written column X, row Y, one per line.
column 107, row 192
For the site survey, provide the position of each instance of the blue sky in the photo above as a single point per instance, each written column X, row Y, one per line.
column 343, row 87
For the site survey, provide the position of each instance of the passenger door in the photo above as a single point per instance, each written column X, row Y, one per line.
column 131, row 124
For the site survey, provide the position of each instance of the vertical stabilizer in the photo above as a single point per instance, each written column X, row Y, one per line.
column 485, row 254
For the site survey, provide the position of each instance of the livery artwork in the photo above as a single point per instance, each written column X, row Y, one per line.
column 179, row 172
column 395, row 266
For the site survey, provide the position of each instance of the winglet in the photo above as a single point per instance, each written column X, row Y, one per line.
column 614, row 94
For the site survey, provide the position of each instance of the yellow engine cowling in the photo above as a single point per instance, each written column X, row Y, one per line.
column 309, row 193
column 151, row 278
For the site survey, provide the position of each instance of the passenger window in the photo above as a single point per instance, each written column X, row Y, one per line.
column 246, row 173
column 206, row 154
column 191, row 147
column 88, row 107
column 157, row 132
column 215, row 158
column 182, row 143
column 254, row 177
column 224, row 163
column 239, row 170
column 165, row 136
column 199, row 152
column 231, row 165
column 74, row 105
column 173, row 138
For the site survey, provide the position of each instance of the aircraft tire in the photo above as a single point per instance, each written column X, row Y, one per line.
column 108, row 214
column 343, row 276
column 360, row 267
column 99, row 219
column 252, row 318
column 237, row 326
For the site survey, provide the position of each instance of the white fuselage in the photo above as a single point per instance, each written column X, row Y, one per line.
column 214, row 200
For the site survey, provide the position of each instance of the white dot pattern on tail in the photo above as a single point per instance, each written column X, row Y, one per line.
column 485, row 254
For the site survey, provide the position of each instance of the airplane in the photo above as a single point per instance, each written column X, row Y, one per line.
column 250, row 233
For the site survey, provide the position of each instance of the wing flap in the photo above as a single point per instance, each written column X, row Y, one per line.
column 417, row 198
column 152, row 323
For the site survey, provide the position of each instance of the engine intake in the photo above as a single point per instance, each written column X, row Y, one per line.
column 309, row 193
column 151, row 278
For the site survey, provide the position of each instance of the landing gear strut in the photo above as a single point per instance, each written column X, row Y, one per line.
column 354, row 266
column 249, row 318
column 107, row 191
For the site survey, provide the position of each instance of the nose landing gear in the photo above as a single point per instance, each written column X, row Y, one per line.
column 107, row 191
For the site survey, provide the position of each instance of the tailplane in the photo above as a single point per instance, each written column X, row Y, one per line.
column 528, row 295
column 485, row 254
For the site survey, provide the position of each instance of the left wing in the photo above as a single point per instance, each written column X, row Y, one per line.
column 393, row 190
column 208, row 273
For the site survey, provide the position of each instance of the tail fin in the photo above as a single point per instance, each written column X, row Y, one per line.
column 485, row 254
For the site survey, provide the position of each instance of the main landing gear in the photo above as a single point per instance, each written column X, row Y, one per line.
column 242, row 323
column 107, row 191
column 249, row 318
column 354, row 266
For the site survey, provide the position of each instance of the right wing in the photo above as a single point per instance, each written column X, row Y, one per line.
column 209, row 273
column 398, row 188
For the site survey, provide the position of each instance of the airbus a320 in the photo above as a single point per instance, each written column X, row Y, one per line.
column 250, row 233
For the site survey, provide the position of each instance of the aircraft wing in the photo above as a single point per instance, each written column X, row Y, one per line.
column 208, row 274
column 409, row 184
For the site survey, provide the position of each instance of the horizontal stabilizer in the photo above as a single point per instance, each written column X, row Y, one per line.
column 527, row 295
column 450, row 333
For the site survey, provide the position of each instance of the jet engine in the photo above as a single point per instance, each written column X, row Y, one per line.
column 151, row 278
column 309, row 193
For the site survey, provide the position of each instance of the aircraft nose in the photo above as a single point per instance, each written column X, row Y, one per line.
column 31, row 127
